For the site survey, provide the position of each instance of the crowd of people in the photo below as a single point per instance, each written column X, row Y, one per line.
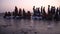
column 18, row 14
column 53, row 13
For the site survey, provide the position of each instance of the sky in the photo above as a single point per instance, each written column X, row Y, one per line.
column 9, row 5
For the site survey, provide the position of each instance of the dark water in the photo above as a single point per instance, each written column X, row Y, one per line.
column 25, row 26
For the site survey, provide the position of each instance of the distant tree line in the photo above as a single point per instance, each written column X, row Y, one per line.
column 53, row 13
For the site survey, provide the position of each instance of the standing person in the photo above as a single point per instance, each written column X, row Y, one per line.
column 16, row 11
column 24, row 14
column 5, row 15
column 20, row 13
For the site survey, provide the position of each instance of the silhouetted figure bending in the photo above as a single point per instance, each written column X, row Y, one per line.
column 9, row 14
column 28, row 15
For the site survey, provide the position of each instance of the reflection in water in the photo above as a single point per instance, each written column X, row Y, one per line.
column 25, row 26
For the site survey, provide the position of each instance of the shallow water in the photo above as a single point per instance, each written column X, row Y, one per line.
column 25, row 26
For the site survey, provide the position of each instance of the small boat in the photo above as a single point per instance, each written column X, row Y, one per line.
column 7, row 17
column 17, row 17
column 37, row 17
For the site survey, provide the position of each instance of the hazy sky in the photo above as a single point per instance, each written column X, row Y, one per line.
column 8, row 5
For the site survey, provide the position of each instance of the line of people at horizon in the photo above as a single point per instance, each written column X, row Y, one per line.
column 52, row 14
column 18, row 14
